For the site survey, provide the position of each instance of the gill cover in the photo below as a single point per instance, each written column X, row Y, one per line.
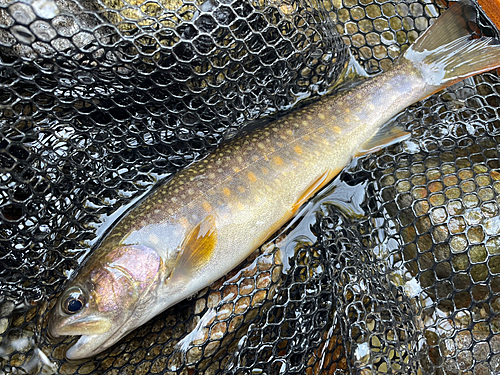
column 100, row 303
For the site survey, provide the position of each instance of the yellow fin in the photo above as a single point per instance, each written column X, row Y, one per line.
column 197, row 248
column 386, row 136
column 314, row 188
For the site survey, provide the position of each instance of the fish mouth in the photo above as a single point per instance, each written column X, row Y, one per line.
column 82, row 326
column 75, row 352
column 90, row 345
column 52, row 336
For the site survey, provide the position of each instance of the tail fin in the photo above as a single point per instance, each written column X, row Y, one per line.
column 447, row 52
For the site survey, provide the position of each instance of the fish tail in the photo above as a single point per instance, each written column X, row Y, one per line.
column 449, row 51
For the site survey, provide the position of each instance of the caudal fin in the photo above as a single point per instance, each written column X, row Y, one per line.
column 447, row 52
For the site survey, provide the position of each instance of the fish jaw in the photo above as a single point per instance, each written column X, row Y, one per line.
column 74, row 353
column 89, row 345
column 86, row 326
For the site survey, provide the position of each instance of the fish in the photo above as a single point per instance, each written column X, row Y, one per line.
column 209, row 217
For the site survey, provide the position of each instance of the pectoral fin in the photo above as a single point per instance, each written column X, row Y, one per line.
column 197, row 248
column 386, row 136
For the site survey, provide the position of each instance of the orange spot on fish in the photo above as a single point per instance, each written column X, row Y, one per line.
column 206, row 206
column 236, row 169
column 278, row 160
column 337, row 130
column 226, row 191
column 298, row 150
column 241, row 189
column 252, row 177
column 321, row 116
column 184, row 222
column 240, row 206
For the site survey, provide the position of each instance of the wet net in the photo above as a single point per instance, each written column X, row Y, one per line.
column 394, row 268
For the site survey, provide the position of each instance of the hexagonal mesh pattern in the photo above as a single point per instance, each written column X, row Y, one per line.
column 392, row 269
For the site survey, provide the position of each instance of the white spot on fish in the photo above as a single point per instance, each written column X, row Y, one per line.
column 153, row 238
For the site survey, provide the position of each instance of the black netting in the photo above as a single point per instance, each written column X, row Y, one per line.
column 392, row 269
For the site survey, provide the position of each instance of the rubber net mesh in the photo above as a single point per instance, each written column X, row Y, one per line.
column 394, row 268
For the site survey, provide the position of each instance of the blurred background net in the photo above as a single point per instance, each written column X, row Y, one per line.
column 395, row 268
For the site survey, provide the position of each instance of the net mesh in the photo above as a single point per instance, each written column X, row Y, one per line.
column 392, row 269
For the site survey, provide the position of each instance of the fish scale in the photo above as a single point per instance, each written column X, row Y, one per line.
column 287, row 150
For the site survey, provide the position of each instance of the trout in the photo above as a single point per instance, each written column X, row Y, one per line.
column 208, row 218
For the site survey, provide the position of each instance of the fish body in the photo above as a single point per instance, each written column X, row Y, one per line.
column 209, row 217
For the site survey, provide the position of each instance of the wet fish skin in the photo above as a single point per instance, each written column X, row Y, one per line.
column 208, row 218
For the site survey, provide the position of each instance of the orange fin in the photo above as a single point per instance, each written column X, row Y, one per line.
column 386, row 136
column 197, row 248
column 314, row 188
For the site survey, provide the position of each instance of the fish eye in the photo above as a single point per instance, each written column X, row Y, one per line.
column 74, row 301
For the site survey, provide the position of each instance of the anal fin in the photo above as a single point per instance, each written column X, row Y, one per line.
column 197, row 248
column 386, row 136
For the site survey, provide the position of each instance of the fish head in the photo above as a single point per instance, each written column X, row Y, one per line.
column 104, row 301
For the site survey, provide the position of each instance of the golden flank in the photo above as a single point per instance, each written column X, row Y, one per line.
column 208, row 218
